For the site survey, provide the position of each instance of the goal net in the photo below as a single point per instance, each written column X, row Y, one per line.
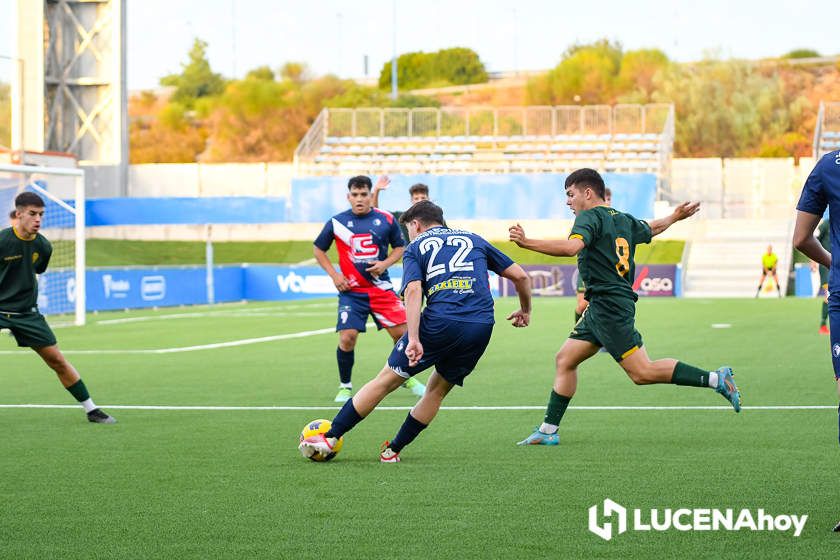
column 61, row 289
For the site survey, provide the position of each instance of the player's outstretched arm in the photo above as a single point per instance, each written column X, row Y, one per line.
column 413, row 301
column 804, row 240
column 381, row 184
column 522, row 316
column 341, row 283
column 681, row 212
column 552, row 247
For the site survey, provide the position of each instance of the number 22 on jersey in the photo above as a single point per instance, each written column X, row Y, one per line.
column 456, row 263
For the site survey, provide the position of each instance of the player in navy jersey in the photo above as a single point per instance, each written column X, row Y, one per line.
column 362, row 236
column 821, row 190
column 449, row 267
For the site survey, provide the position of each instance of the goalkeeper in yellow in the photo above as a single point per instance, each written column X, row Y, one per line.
column 604, row 241
column 769, row 260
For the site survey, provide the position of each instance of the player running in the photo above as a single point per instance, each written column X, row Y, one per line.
column 604, row 241
column 362, row 236
column 449, row 268
column 24, row 253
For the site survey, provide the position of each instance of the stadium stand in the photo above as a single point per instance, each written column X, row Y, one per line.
column 827, row 130
column 454, row 140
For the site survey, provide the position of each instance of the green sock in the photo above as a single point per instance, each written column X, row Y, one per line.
column 557, row 405
column 79, row 391
column 685, row 374
column 824, row 313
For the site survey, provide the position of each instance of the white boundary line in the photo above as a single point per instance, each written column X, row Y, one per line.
column 403, row 408
column 229, row 344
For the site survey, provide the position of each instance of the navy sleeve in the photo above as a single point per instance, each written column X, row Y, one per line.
column 813, row 199
column 496, row 260
column 395, row 237
column 325, row 238
column 412, row 270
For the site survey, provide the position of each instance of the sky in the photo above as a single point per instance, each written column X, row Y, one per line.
column 333, row 36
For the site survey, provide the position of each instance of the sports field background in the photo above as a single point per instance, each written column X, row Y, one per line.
column 202, row 483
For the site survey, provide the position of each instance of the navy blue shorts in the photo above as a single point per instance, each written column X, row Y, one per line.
column 834, row 325
column 383, row 305
column 452, row 347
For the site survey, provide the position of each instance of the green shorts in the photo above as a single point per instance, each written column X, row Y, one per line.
column 823, row 276
column 29, row 329
column 611, row 323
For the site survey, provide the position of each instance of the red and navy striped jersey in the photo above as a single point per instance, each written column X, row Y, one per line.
column 361, row 240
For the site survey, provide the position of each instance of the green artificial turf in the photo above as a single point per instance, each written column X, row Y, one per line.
column 216, row 483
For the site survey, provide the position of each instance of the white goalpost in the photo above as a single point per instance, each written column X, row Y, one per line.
column 61, row 289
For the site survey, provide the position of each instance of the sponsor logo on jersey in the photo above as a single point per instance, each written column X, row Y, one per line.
column 460, row 285
column 363, row 246
column 12, row 258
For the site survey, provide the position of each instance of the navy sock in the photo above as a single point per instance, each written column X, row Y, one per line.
column 344, row 421
column 410, row 429
column 345, row 364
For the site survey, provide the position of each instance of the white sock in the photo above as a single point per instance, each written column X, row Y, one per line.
column 713, row 379
column 88, row 404
column 346, row 386
column 548, row 428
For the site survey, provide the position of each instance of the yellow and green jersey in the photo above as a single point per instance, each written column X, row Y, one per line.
column 20, row 261
column 769, row 261
column 606, row 262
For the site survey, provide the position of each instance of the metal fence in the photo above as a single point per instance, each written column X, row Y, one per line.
column 497, row 121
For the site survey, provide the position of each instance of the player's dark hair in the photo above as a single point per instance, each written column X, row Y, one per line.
column 27, row 198
column 359, row 182
column 587, row 178
column 424, row 211
column 419, row 188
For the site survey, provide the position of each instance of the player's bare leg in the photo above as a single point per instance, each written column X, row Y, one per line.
column 71, row 381
column 417, row 419
column 761, row 283
column 571, row 355
column 436, row 390
column 643, row 371
column 366, row 399
column 412, row 384
column 345, row 357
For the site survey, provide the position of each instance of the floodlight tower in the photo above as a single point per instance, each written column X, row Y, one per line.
column 74, row 92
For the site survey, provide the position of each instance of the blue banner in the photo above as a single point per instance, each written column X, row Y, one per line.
column 142, row 287
column 206, row 210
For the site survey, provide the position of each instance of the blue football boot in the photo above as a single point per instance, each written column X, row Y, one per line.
column 726, row 387
column 539, row 438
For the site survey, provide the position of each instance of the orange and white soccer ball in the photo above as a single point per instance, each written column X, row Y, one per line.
column 314, row 428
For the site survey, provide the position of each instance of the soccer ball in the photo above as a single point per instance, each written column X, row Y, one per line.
column 316, row 427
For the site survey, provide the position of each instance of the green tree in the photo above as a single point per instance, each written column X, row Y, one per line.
column 586, row 75
column 801, row 53
column 455, row 66
column 638, row 69
column 196, row 79
column 728, row 108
